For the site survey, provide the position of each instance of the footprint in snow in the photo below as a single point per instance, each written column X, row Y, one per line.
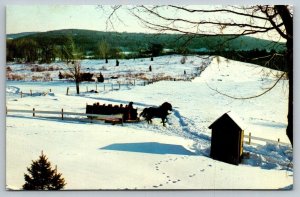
column 202, row 170
column 210, row 165
column 155, row 186
column 192, row 175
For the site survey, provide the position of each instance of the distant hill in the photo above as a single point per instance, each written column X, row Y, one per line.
column 19, row 35
column 88, row 41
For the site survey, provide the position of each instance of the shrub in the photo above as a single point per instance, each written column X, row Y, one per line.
column 67, row 76
column 183, row 60
column 37, row 68
column 41, row 176
column 8, row 69
column 47, row 77
column 53, row 68
column 37, row 78
column 16, row 77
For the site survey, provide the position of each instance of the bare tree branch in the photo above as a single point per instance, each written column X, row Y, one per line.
column 250, row 97
column 219, row 10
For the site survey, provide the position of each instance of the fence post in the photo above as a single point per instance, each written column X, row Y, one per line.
column 62, row 113
column 30, row 92
column 104, row 87
column 119, row 85
column 134, row 82
column 278, row 140
column 112, row 87
column 67, row 90
column 87, row 89
column 96, row 87
column 33, row 112
column 249, row 142
column 50, row 90
column 21, row 94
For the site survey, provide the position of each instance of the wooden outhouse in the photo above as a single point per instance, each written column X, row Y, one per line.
column 227, row 139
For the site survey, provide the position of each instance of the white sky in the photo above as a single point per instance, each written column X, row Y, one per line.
column 45, row 18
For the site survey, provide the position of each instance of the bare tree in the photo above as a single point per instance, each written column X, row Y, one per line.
column 72, row 58
column 276, row 22
column 74, row 68
column 104, row 50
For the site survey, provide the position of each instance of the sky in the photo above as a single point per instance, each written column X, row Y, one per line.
column 44, row 18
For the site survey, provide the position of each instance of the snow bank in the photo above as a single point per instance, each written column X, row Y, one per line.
column 150, row 156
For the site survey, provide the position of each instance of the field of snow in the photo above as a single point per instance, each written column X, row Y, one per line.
column 150, row 156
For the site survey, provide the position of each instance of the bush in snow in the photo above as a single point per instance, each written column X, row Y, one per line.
column 36, row 78
column 42, row 177
column 66, row 76
column 53, row 68
column 47, row 77
column 16, row 77
column 183, row 60
column 8, row 69
column 37, row 68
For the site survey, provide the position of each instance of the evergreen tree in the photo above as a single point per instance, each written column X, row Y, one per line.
column 42, row 177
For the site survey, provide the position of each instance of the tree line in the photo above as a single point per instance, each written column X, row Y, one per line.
column 47, row 47
column 47, row 50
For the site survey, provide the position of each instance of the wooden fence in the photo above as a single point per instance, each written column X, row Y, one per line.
column 62, row 114
column 248, row 139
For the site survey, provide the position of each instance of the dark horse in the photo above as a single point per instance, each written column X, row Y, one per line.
column 158, row 112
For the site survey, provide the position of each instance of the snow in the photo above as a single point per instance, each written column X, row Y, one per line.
column 149, row 156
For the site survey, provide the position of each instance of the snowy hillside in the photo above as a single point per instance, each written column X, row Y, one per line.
column 150, row 156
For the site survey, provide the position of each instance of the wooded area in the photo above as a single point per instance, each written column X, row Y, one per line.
column 64, row 45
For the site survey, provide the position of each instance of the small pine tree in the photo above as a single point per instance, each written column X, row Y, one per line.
column 42, row 177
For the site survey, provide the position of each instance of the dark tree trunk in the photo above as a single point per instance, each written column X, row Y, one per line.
column 288, row 23
column 289, row 130
column 77, row 86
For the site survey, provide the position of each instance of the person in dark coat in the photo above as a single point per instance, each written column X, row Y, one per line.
column 60, row 76
column 101, row 78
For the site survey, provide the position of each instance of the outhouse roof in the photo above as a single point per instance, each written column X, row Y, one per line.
column 234, row 117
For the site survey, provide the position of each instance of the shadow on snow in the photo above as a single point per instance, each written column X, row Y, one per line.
column 149, row 147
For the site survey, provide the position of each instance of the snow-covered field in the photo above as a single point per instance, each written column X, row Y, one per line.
column 150, row 156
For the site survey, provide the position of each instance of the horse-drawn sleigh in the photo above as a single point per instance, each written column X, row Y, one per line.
column 119, row 113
